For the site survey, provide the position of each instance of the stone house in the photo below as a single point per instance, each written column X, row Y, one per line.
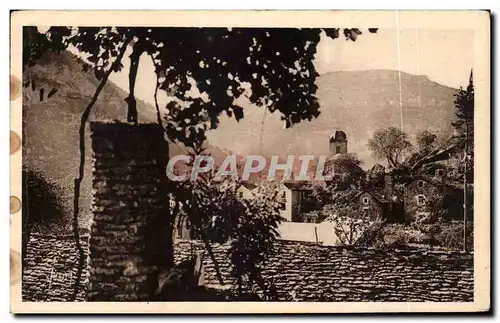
column 424, row 193
column 371, row 203
column 416, row 197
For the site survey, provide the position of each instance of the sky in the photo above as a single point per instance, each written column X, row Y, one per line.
column 445, row 56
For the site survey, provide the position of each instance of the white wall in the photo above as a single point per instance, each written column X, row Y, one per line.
column 297, row 231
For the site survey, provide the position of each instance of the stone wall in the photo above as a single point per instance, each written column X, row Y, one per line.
column 131, row 231
column 309, row 272
column 50, row 268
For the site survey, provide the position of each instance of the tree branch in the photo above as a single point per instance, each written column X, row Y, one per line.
column 132, row 76
column 195, row 219
column 158, row 115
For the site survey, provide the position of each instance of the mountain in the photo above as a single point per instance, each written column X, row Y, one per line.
column 357, row 102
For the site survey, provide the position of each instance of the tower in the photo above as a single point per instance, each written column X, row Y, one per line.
column 338, row 142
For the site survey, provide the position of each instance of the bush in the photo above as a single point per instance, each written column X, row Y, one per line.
column 398, row 236
column 451, row 236
column 448, row 235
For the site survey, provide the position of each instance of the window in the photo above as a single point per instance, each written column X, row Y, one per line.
column 337, row 149
column 240, row 194
column 420, row 184
column 420, row 200
column 366, row 201
column 283, row 201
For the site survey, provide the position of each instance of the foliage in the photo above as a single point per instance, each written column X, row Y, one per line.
column 451, row 235
column 348, row 172
column 434, row 227
column 250, row 226
column 434, row 210
column 441, row 234
column 219, row 215
column 426, row 141
column 391, row 144
column 371, row 234
column 464, row 128
column 398, row 236
column 36, row 44
column 464, row 105
column 350, row 222
column 459, row 146
column 253, row 238
column 317, row 199
column 407, row 164
column 342, row 197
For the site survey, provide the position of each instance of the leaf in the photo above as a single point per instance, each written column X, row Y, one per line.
column 333, row 33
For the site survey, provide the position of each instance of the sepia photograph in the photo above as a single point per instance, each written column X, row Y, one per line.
column 338, row 158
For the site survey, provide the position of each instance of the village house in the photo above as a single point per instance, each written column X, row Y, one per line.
column 371, row 203
column 423, row 193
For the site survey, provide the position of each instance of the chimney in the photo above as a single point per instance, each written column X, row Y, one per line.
column 131, row 231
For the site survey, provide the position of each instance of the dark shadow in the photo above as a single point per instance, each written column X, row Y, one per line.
column 41, row 203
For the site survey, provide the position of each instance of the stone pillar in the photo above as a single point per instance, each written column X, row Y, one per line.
column 131, row 234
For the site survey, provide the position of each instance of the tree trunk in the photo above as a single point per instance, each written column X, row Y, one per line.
column 132, row 76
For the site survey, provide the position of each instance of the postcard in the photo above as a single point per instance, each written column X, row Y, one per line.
column 250, row 161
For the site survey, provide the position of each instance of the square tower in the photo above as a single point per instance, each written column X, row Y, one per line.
column 338, row 142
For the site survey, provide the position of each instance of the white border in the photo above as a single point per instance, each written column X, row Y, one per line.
column 478, row 4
